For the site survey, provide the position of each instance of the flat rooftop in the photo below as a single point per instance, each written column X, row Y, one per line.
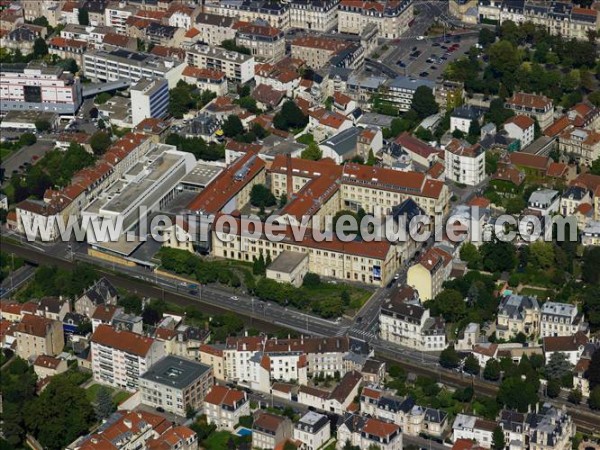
column 202, row 174
column 287, row 261
column 175, row 372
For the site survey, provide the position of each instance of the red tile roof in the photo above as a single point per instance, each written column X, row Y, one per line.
column 417, row 146
column 481, row 202
column 557, row 170
column 221, row 395
column 227, row 185
column 125, row 341
column 524, row 99
column 564, row 343
column 530, row 161
column 557, row 126
column 204, row 74
column 523, row 122
column 379, row 428
column 64, row 43
column 321, row 43
column 34, row 325
column 48, row 362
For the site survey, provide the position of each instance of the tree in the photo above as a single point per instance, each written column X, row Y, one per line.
column 232, row 126
column 593, row 371
column 470, row 255
column 449, row 359
column 575, row 396
column 472, row 365
column 289, row 117
column 311, row 280
column 553, row 388
column 261, row 196
column 474, row 132
column 424, row 134
column 515, row 393
column 42, row 125
column 249, row 104
column 542, row 254
column 449, row 303
column 486, row 37
column 40, row 48
column 497, row 113
column 83, row 16
column 595, row 167
column 312, row 152
column 259, row 266
column 424, row 103
column 498, row 256
column 492, row 370
column 371, row 160
column 100, row 141
column 594, row 98
column 498, row 442
column 102, row 98
column 104, row 404
column 27, row 139
column 131, row 303
column 594, row 400
column 590, row 271
column 558, row 366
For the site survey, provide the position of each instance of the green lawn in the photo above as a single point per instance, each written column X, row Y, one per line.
column 121, row 396
column 92, row 391
column 218, row 440
column 541, row 293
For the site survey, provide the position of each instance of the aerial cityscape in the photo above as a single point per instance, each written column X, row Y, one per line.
column 300, row 224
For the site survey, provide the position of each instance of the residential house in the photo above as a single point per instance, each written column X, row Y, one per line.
column 176, row 384
column 48, row 366
column 462, row 117
column 364, row 432
column 264, row 42
column 101, row 293
column 522, row 128
column 517, row 314
column 313, row 430
column 37, row 336
column 550, row 428
column 430, row 272
column 392, row 18
column 561, row 319
column 572, row 198
column 54, row 308
column 410, row 325
column 465, row 163
column 545, row 201
column 224, row 406
column 473, row 428
column 582, row 143
column 268, row 430
column 119, row 358
column 572, row 347
column 214, row 29
column 420, row 152
column 310, row 15
column 537, row 107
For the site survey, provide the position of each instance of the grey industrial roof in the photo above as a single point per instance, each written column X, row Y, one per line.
column 175, row 372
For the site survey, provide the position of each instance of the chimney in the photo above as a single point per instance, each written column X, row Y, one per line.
column 289, row 177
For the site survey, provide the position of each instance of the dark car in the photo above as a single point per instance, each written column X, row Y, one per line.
column 433, row 67
column 435, row 44
column 414, row 48
column 443, row 47
column 424, row 74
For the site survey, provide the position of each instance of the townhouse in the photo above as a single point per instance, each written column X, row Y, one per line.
column 537, row 107
column 465, row 163
column 365, row 432
column 35, row 336
column 101, row 293
column 410, row 325
column 522, row 128
column 321, row 15
column 119, row 357
column 275, row 13
column 338, row 400
column 462, row 117
column 517, row 314
column 392, row 18
column 214, row 29
column 430, row 272
column 550, row 428
column 574, row 197
column 237, row 67
column 473, row 428
column 206, row 79
column 313, row 430
column 224, row 406
column 270, row 430
column 47, row 366
column 561, row 319
column 265, row 43
column 176, row 384
column 582, row 143
column 319, row 52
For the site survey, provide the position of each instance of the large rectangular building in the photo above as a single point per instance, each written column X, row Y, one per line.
column 120, row 357
column 121, row 64
column 320, row 15
column 176, row 384
column 392, row 17
column 38, row 87
column 149, row 99
column 237, row 67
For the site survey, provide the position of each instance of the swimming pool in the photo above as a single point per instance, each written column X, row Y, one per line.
column 242, row 432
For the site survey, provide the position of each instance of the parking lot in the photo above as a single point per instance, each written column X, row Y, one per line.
column 429, row 57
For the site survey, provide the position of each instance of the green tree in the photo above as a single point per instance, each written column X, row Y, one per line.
column 590, row 272
column 311, row 280
column 261, row 196
column 40, row 48
column 424, row 134
column 472, row 365
column 553, row 388
column 100, row 141
column 131, row 303
column 229, row 44
column 232, row 126
column 50, row 420
column 83, row 16
column 515, row 393
column 289, row 117
column 594, row 400
column 497, row 113
column 449, row 358
column 498, row 256
column 593, row 372
column 371, row 160
column 474, row 132
column 27, row 139
column 492, row 370
column 449, row 304
column 558, row 366
column 249, row 104
column 470, row 255
column 102, row 98
column 104, row 404
column 424, row 103
column 515, row 205
column 594, row 98
column 259, row 266
column 542, row 254
column 486, row 37
column 498, row 442
column 312, row 152
column 575, row 396
column 42, row 125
